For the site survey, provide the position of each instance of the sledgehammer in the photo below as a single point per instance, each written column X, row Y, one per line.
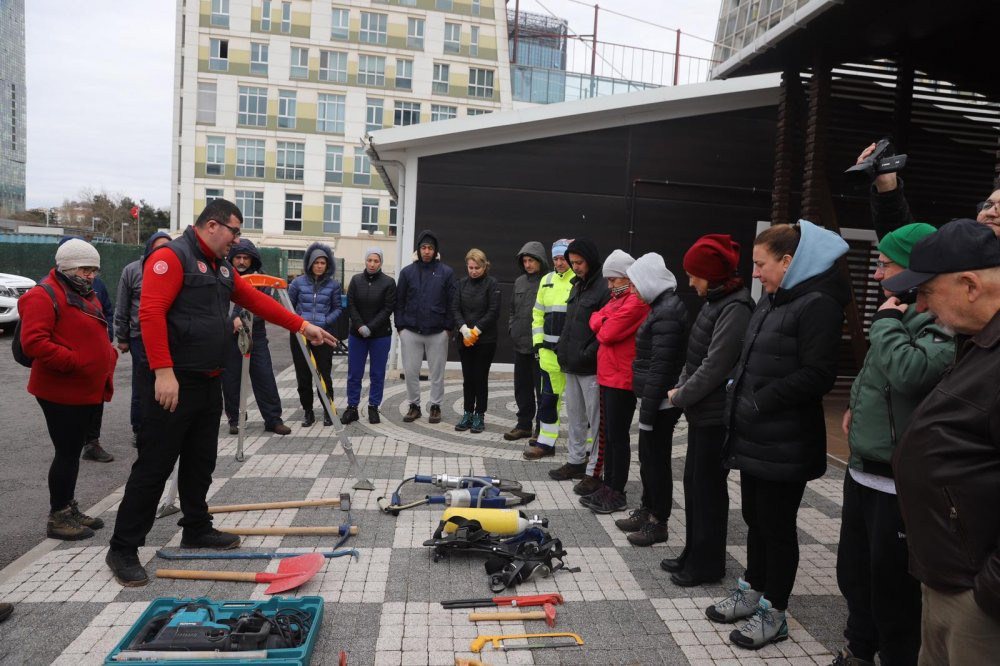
column 548, row 613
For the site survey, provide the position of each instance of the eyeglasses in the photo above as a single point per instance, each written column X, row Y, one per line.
column 882, row 265
column 234, row 230
column 986, row 205
column 88, row 270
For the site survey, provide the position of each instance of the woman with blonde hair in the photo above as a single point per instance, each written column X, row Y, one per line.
column 475, row 310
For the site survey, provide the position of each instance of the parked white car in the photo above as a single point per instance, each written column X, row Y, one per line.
column 12, row 287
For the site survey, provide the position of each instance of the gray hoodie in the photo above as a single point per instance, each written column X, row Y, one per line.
column 129, row 289
column 650, row 276
column 523, row 299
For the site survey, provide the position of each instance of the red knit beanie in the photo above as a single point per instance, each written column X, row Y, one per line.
column 713, row 257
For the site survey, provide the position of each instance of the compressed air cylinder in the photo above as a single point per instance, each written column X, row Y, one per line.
column 496, row 521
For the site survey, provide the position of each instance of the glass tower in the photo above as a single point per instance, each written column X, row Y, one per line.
column 13, row 149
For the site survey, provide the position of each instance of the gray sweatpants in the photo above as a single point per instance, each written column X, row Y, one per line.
column 414, row 348
column 583, row 411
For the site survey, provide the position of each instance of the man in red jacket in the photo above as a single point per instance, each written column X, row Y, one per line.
column 187, row 286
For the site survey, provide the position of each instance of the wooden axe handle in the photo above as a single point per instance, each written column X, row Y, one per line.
column 285, row 531
column 196, row 574
column 506, row 615
column 262, row 506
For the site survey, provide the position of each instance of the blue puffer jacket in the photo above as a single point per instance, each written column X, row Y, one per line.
column 317, row 300
column 424, row 294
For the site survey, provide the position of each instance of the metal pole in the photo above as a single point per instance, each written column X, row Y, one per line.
column 677, row 57
column 517, row 27
column 123, row 232
column 593, row 54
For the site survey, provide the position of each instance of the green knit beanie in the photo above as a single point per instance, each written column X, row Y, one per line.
column 898, row 244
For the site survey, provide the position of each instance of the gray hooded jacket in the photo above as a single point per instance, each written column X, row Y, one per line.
column 129, row 289
column 523, row 299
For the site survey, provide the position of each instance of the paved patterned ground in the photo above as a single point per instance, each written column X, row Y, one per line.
column 382, row 607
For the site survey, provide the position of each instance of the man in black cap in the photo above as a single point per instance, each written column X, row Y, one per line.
column 947, row 465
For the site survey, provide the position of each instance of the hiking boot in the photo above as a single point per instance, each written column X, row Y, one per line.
column 5, row 611
column 588, row 500
column 124, row 564
column 278, row 429
column 234, row 429
column 764, row 627
column 213, row 538
column 478, row 423
column 412, row 415
column 741, row 603
column 373, row 416
column 350, row 415
column 516, row 433
column 635, row 520
column 536, row 451
column 652, row 532
column 465, row 423
column 435, row 416
column 93, row 451
column 83, row 519
column 588, row 485
column 609, row 502
column 846, row 658
column 62, row 525
column 568, row 471
column 308, row 418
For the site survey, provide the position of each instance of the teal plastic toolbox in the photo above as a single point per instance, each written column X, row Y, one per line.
column 217, row 613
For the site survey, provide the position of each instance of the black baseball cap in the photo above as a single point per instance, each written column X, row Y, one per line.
column 960, row 245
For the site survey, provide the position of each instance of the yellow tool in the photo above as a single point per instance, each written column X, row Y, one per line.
column 497, row 641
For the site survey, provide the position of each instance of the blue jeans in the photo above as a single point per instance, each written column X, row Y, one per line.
column 358, row 350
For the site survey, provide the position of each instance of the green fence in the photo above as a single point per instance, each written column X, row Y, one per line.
column 35, row 260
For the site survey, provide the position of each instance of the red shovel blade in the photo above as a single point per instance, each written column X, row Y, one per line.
column 292, row 572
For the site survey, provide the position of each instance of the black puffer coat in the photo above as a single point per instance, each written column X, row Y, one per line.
column 477, row 304
column 577, row 350
column 370, row 301
column 659, row 353
column 774, row 409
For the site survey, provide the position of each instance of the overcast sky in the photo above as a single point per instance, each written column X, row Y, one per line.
column 100, row 85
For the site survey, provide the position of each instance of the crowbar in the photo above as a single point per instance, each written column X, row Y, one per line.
column 291, row 531
column 480, row 642
column 266, row 555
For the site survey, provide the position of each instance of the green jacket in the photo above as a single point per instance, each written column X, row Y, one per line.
column 909, row 353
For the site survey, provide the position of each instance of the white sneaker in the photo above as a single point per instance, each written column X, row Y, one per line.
column 738, row 605
column 766, row 626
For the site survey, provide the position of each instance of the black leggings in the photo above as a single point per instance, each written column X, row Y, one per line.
column 476, row 361
column 770, row 509
column 617, row 409
column 303, row 373
column 68, row 426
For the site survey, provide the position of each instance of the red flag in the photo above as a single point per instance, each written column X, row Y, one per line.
column 134, row 212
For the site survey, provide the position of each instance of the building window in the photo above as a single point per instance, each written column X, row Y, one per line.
column 373, row 28
column 362, row 167
column 300, row 63
column 212, row 193
column 480, row 82
column 215, row 155
column 258, row 58
column 330, row 112
column 340, row 24
column 251, row 204
column 206, row 103
column 286, row 17
column 407, row 113
column 452, row 37
column 371, row 70
column 392, row 217
column 477, row 112
column 474, row 41
column 265, row 15
column 331, row 215
column 439, row 84
column 334, row 164
column 404, row 74
column 218, row 58
column 442, row 112
column 333, row 66
column 369, row 215
column 415, row 33
column 475, row 9
column 253, row 106
column 286, row 109
column 373, row 114
column 293, row 212
column 408, row 3
column 291, row 161
column 249, row 158
column 444, row 5
column 220, row 13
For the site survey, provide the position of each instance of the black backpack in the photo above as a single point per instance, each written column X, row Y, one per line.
column 15, row 343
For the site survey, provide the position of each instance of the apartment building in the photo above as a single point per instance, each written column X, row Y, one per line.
column 272, row 98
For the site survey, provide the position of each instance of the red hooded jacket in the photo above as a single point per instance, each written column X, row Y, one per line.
column 615, row 325
column 74, row 364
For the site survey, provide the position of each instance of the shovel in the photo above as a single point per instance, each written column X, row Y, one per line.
column 292, row 573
